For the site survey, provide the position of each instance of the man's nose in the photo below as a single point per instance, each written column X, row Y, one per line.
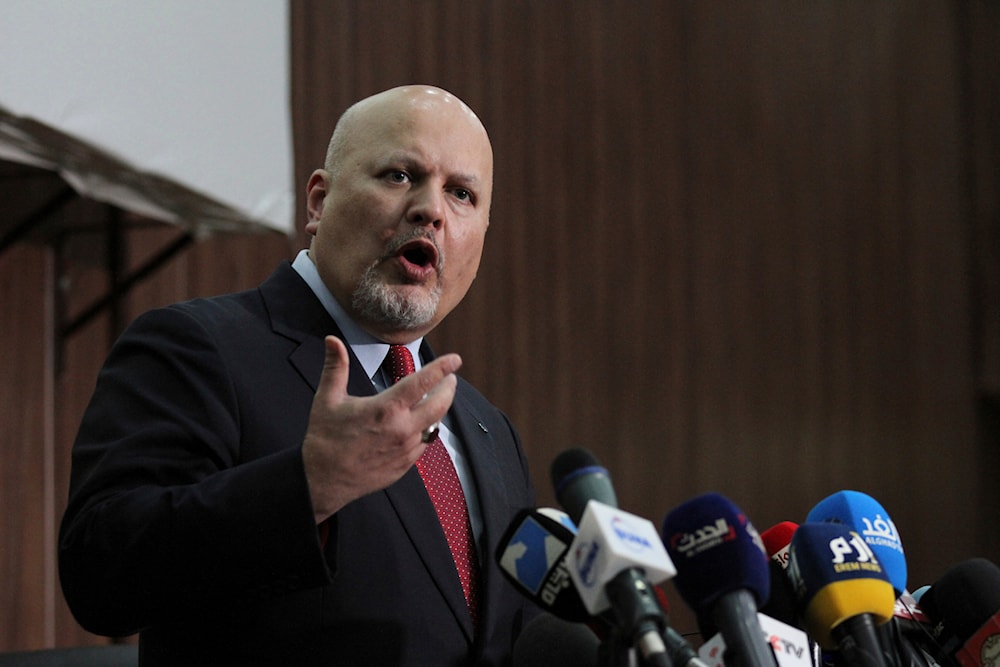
column 427, row 207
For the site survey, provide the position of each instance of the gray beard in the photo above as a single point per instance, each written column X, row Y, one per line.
column 375, row 301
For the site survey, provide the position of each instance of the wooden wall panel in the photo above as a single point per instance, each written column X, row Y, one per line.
column 46, row 387
column 730, row 246
column 980, row 26
column 81, row 356
column 25, row 487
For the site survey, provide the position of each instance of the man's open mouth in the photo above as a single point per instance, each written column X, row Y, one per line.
column 420, row 253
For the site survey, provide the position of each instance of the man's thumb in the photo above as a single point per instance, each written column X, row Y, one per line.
column 336, row 368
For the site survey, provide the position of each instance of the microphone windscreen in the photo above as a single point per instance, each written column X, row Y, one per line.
column 577, row 478
column 531, row 554
column 548, row 641
column 716, row 550
column 776, row 540
column 866, row 516
column 836, row 578
column 962, row 601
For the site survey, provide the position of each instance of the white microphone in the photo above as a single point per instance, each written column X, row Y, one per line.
column 613, row 561
column 609, row 540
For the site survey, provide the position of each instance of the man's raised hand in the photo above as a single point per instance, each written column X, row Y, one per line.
column 356, row 445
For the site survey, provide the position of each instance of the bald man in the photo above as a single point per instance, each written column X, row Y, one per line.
column 246, row 483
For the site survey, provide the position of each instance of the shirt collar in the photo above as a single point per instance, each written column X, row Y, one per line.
column 369, row 350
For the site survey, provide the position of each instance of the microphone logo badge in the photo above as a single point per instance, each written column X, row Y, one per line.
column 990, row 653
column 530, row 555
column 586, row 557
column 781, row 556
column 628, row 535
column 862, row 558
column 881, row 532
column 555, row 583
column 703, row 539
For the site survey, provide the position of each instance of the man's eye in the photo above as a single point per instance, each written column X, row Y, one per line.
column 398, row 176
column 463, row 194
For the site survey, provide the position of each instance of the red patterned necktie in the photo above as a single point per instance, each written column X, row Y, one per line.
column 441, row 480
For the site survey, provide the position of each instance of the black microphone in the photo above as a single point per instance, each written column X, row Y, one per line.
column 612, row 576
column 964, row 609
column 532, row 555
column 906, row 637
column 578, row 478
column 915, row 628
column 782, row 604
column 549, row 641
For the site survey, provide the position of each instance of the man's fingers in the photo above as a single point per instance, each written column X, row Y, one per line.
column 356, row 445
column 413, row 388
column 336, row 367
column 428, row 393
column 433, row 406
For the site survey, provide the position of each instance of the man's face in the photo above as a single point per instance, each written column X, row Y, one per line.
column 400, row 220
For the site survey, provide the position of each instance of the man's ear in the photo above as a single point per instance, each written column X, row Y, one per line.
column 316, row 190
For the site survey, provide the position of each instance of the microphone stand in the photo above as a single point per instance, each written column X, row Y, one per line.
column 638, row 619
column 615, row 650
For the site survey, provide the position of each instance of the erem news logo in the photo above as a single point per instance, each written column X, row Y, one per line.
column 852, row 555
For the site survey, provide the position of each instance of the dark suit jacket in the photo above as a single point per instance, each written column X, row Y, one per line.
column 189, row 517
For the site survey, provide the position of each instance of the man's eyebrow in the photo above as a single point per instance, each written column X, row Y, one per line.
column 467, row 179
column 404, row 159
column 413, row 163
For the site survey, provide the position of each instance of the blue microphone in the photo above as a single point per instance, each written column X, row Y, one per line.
column 865, row 516
column 722, row 573
column 843, row 590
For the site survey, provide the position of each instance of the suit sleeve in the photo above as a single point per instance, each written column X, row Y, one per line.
column 165, row 514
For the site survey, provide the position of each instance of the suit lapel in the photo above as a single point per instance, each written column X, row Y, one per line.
column 417, row 515
column 298, row 315
column 412, row 505
column 494, row 502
